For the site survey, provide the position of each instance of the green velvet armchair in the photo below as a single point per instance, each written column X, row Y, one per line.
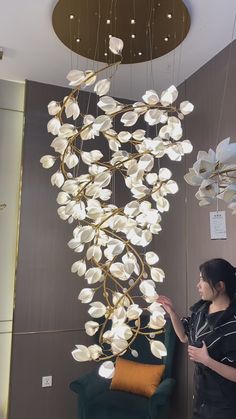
column 97, row 401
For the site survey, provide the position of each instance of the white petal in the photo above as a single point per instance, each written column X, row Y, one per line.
column 63, row 198
column 186, row 107
column 54, row 126
column 171, row 187
column 59, row 144
column 158, row 349
column 157, row 274
column 123, row 300
column 134, row 312
column 146, row 162
column 119, row 315
column 86, row 295
column 156, row 322
column 147, row 287
column 102, row 123
column 139, row 134
column 102, row 87
column 94, row 252
column 47, row 161
column 90, row 77
column 105, row 194
column 151, row 258
column 107, row 369
column 151, row 178
column 132, row 208
column 67, row 130
column 129, row 118
column 164, row 174
column 226, row 154
column 72, row 109
column 87, row 233
column 91, row 327
column 81, row 353
column 157, row 309
column 119, row 346
column 187, row 146
column 57, row 179
column 97, row 309
column 62, row 214
column 91, row 157
column 71, row 160
column 151, row 97
column 54, row 107
column 93, row 275
column 95, row 351
column 118, row 271
column 79, row 267
column 153, row 116
column 116, row 45
column 103, row 179
column 169, row 96
column 162, row 204
column 124, row 136
column 75, row 77
column 107, row 104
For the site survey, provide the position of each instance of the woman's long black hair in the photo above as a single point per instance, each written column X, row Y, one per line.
column 216, row 270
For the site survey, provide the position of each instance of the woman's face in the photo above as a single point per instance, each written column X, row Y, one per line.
column 205, row 290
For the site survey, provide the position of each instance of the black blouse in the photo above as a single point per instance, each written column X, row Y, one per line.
column 218, row 331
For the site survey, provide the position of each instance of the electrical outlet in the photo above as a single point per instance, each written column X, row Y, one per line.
column 47, row 381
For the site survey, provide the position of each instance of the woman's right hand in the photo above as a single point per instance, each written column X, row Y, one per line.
column 166, row 303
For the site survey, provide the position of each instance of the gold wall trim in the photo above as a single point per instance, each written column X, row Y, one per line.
column 11, row 110
column 41, row 332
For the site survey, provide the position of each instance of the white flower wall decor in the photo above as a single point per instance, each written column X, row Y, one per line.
column 214, row 172
column 110, row 241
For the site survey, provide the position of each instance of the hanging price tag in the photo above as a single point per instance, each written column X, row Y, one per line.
column 218, row 225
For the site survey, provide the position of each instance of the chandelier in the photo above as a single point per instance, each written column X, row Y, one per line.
column 110, row 241
column 214, row 172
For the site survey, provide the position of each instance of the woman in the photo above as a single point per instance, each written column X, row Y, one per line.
column 210, row 332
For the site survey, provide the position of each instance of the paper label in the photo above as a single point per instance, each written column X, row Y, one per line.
column 218, row 225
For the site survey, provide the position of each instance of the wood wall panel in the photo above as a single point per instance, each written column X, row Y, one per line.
column 45, row 354
column 46, row 290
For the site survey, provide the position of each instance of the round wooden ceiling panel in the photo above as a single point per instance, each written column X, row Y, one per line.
column 149, row 28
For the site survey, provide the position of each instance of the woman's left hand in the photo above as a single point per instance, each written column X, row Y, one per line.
column 199, row 354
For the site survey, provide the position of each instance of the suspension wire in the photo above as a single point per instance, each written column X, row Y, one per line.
column 180, row 51
column 174, row 50
column 186, row 247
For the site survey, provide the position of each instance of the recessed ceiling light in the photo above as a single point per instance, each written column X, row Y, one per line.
column 108, row 21
column 77, row 39
column 110, row 36
column 133, row 35
column 166, row 39
column 140, row 53
column 132, row 21
column 105, row 53
column 169, row 15
column 72, row 17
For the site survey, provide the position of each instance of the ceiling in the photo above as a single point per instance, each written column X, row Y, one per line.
column 32, row 50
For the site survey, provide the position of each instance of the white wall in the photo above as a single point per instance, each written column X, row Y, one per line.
column 11, row 134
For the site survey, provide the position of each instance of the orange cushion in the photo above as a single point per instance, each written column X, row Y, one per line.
column 136, row 378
